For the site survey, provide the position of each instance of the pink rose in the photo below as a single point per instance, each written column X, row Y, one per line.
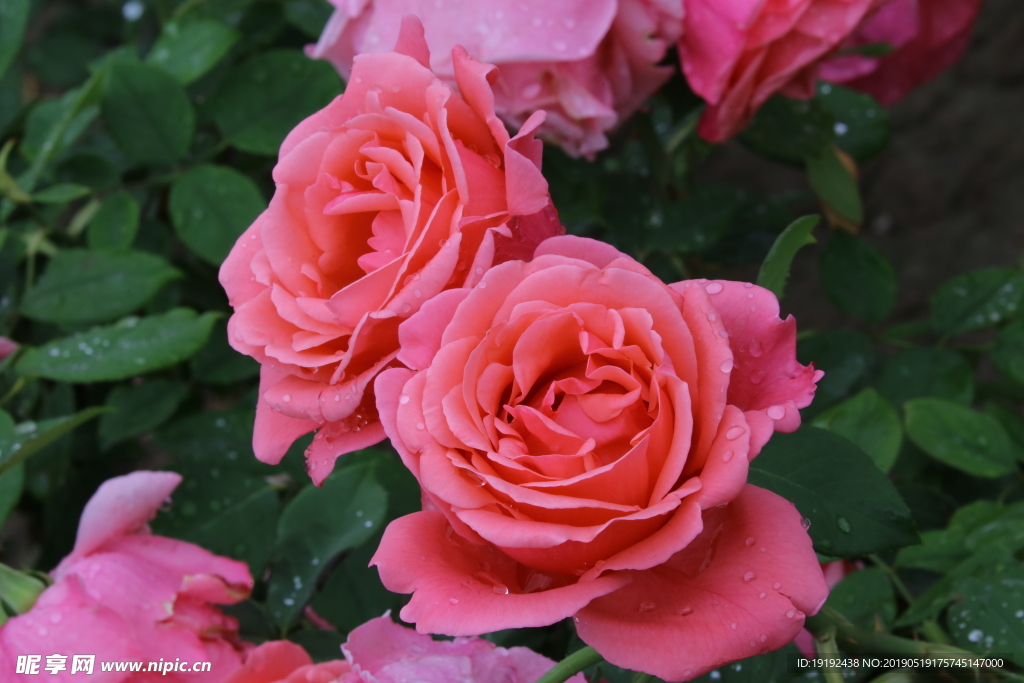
column 927, row 36
column 581, row 433
column 381, row 651
column 834, row 573
column 397, row 190
column 588, row 63
column 124, row 594
column 7, row 347
column 738, row 53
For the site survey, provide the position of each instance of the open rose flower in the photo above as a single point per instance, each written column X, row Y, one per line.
column 397, row 190
column 926, row 37
column 581, row 433
column 588, row 63
column 124, row 594
column 738, row 53
column 381, row 651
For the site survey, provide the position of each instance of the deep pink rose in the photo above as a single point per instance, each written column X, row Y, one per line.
column 581, row 433
column 927, row 36
column 381, row 651
column 588, row 63
column 397, row 190
column 124, row 594
column 738, row 53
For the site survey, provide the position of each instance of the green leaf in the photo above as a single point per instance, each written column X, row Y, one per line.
column 315, row 528
column 47, row 117
column 18, row 590
column 186, row 51
column 309, row 16
column 1013, row 423
column 115, row 224
column 977, row 300
column 28, row 438
column 771, row 667
column 147, row 113
column 869, row 421
column 982, row 525
column 61, row 193
column 864, row 596
column 990, row 617
column 218, row 364
column 857, row 277
column 353, row 594
column 861, row 125
column 1008, row 354
column 775, row 269
column 790, row 130
column 11, row 484
column 225, row 511
column 136, row 410
column 926, row 371
column 83, row 286
column 133, row 346
column 267, row 96
column 844, row 355
column 853, row 507
column 211, row 206
column 835, row 185
column 960, row 437
column 13, row 18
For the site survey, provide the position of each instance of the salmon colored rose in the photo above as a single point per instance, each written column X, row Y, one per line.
column 925, row 38
column 124, row 594
column 588, row 63
column 397, row 190
column 581, row 433
column 381, row 651
column 738, row 53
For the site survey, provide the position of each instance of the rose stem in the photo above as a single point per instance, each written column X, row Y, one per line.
column 571, row 665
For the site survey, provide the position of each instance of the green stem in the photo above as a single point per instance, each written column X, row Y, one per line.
column 571, row 665
column 825, row 646
column 853, row 638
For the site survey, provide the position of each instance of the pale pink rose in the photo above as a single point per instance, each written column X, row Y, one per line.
column 738, row 53
column 381, row 651
column 7, row 347
column 581, row 433
column 124, row 594
column 588, row 63
column 397, row 190
column 927, row 36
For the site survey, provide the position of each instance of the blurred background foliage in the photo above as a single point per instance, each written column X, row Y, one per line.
column 138, row 140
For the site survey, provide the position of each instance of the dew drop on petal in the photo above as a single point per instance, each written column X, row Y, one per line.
column 776, row 412
column 790, row 614
column 726, row 365
column 420, row 425
column 726, row 457
column 685, row 612
column 748, row 577
column 750, row 541
column 776, row 585
column 763, row 596
column 734, row 433
column 403, row 399
column 454, row 601
column 714, row 287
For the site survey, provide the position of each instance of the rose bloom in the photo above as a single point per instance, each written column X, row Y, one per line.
column 927, row 36
column 738, row 53
column 124, row 594
column 7, row 347
column 397, row 190
column 588, row 63
column 381, row 651
column 581, row 433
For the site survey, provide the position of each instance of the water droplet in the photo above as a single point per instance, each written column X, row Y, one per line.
column 734, row 433
column 750, row 541
column 453, row 601
column 714, row 287
column 420, row 425
column 646, row 606
column 733, row 626
column 844, row 525
column 764, row 637
column 975, row 636
column 1019, row 614
column 748, row 577
column 805, row 523
column 776, row 585
column 776, row 412
column 499, row 589
column 840, row 128
column 712, row 318
column 790, row 614
column 726, row 365
column 763, row 596
column 756, row 350
column 403, row 399
column 757, row 377
column 685, row 612
column 286, row 398
column 726, row 457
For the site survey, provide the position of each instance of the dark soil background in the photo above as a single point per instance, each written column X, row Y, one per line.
column 947, row 195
